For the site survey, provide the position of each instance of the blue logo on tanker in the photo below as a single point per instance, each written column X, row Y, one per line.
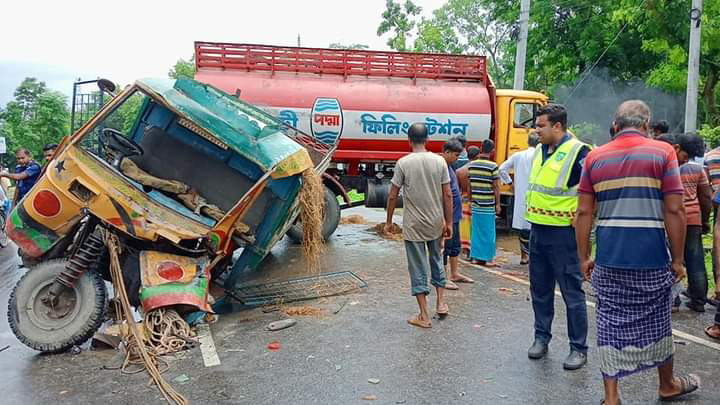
column 326, row 120
column 289, row 117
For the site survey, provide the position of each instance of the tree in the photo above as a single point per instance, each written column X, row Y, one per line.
column 669, row 40
column 27, row 94
column 467, row 26
column 183, row 69
column 400, row 21
column 35, row 117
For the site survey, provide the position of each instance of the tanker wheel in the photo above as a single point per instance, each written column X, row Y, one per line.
column 74, row 319
column 330, row 222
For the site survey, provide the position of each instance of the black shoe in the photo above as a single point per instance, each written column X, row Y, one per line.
column 696, row 306
column 712, row 301
column 575, row 360
column 538, row 350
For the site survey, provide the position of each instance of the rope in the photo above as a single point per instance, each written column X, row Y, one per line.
column 137, row 353
column 169, row 333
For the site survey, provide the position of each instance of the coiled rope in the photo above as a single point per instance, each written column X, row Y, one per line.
column 134, row 341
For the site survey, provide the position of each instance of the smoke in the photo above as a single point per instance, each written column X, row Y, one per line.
column 592, row 105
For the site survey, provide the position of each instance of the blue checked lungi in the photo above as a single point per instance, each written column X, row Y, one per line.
column 634, row 330
column 482, row 244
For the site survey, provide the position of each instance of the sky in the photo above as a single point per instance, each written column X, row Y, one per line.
column 59, row 42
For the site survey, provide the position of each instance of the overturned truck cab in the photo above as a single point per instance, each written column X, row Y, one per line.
column 183, row 175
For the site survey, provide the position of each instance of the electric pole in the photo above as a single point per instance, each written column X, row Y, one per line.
column 691, row 99
column 519, row 83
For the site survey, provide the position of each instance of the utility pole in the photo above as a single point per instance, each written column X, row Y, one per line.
column 519, row 83
column 298, row 40
column 691, row 99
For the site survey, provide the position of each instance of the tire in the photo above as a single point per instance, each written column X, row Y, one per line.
column 39, row 331
column 330, row 222
column 3, row 235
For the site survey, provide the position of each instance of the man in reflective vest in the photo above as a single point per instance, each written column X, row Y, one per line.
column 551, row 203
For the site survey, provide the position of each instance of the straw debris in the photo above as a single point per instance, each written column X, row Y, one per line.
column 312, row 214
column 354, row 219
column 302, row 311
column 394, row 234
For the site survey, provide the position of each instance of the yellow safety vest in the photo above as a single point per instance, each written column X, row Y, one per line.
column 549, row 200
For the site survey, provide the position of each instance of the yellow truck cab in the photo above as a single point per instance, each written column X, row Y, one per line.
column 515, row 117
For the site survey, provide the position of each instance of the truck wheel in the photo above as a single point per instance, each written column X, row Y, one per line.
column 75, row 318
column 330, row 222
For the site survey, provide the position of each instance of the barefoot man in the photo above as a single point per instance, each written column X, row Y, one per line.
column 451, row 153
column 427, row 219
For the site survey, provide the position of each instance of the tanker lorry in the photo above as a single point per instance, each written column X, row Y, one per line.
column 365, row 101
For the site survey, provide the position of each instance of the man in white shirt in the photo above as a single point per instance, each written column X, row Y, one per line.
column 521, row 163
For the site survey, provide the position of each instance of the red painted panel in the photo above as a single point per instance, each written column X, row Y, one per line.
column 354, row 93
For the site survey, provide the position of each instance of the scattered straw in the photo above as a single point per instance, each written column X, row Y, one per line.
column 312, row 213
column 353, row 219
column 394, row 234
column 302, row 311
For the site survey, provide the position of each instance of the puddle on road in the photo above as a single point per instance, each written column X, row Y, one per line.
column 17, row 359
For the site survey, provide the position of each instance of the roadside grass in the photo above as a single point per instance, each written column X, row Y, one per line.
column 707, row 244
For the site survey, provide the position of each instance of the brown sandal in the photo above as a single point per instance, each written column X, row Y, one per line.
column 688, row 383
column 707, row 332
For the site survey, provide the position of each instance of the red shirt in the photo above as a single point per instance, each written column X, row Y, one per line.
column 692, row 176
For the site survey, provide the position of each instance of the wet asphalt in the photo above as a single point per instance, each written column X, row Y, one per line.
column 477, row 355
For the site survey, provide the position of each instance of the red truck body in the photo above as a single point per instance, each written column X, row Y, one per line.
column 366, row 98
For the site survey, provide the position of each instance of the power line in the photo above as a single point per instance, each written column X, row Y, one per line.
column 588, row 71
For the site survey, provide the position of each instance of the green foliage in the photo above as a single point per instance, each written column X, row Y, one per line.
column 399, row 20
column 124, row 117
column 183, row 69
column 586, row 131
column 35, row 117
column 711, row 135
column 632, row 40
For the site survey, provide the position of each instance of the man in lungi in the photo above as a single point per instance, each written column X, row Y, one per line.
column 485, row 201
column 427, row 218
column 551, row 204
column 634, row 182
column 463, row 175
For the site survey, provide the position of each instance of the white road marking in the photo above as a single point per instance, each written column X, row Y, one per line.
column 680, row 334
column 207, row 346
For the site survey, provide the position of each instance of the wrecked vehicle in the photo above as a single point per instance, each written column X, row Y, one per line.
column 184, row 176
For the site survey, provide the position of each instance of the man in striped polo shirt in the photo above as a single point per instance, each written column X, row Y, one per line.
column 634, row 182
column 485, row 202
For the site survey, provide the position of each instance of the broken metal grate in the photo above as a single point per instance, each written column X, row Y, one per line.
column 297, row 289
